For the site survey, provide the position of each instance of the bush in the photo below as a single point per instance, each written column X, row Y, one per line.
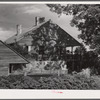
column 79, row 82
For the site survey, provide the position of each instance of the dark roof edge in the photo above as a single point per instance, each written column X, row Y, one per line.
column 70, row 35
column 15, row 52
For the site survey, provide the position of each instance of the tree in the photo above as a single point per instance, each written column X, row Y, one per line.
column 80, row 50
column 47, row 42
column 86, row 17
column 20, row 49
column 87, row 59
column 56, row 66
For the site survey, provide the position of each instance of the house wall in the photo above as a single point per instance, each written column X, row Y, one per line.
column 26, row 41
column 4, row 70
column 16, row 69
column 8, row 55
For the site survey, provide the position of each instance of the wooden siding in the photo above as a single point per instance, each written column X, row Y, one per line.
column 4, row 71
column 26, row 41
column 8, row 55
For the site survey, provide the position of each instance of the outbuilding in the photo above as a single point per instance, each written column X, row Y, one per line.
column 10, row 60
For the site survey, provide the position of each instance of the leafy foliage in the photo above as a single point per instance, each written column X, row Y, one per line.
column 47, row 41
column 20, row 49
column 53, row 82
column 88, row 59
column 86, row 17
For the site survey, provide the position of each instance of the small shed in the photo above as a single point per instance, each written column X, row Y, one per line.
column 10, row 60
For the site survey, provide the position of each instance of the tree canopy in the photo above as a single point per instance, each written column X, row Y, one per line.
column 47, row 41
column 86, row 17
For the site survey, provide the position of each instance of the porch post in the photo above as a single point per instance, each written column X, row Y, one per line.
column 11, row 68
column 8, row 69
column 72, row 58
column 72, row 50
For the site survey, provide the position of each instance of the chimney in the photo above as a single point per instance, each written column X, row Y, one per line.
column 36, row 21
column 18, row 29
column 39, row 20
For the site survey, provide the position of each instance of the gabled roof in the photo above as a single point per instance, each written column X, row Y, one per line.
column 16, row 37
column 63, row 36
column 67, row 38
column 8, row 55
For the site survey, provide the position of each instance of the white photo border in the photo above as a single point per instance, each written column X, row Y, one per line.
column 49, row 94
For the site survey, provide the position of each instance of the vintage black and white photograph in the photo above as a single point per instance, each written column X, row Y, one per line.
column 50, row 46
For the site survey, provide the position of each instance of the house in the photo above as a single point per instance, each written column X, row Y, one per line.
column 42, row 30
column 10, row 60
column 55, row 31
column 42, row 38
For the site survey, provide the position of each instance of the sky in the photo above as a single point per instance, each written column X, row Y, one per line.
column 24, row 14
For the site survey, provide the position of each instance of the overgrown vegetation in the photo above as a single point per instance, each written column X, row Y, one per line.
column 50, row 42
column 86, row 17
column 52, row 82
column 81, row 59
